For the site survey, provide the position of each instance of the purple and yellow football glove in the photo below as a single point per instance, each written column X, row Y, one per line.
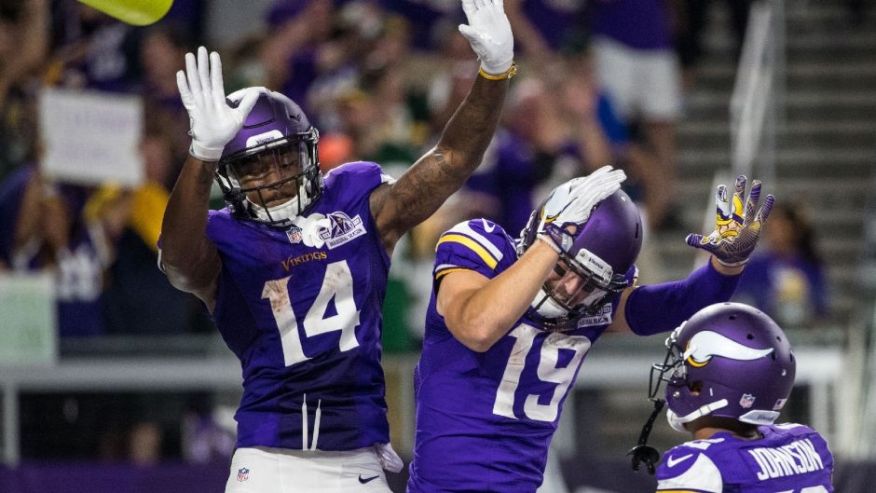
column 738, row 224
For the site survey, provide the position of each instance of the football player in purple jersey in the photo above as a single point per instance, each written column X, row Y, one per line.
column 729, row 371
column 510, row 321
column 294, row 270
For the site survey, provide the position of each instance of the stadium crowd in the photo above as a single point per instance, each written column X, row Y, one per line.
column 379, row 79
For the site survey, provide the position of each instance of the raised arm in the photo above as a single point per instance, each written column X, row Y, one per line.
column 188, row 257
column 441, row 171
column 739, row 221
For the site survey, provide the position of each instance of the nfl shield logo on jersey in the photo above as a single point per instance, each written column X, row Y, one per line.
column 242, row 474
column 294, row 235
column 747, row 401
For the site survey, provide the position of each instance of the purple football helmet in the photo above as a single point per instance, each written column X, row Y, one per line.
column 728, row 360
column 269, row 171
column 593, row 267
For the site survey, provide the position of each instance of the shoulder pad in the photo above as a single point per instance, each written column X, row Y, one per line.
column 688, row 470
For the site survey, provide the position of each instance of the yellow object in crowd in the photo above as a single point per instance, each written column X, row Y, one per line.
column 134, row 12
column 100, row 199
column 147, row 208
column 147, row 212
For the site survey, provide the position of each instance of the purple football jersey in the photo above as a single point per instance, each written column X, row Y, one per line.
column 301, row 308
column 485, row 420
column 790, row 458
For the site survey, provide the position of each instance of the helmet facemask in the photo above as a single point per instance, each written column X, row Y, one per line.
column 672, row 370
column 577, row 287
column 595, row 258
column 275, row 181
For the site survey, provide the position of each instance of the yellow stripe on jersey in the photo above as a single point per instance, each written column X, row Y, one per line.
column 473, row 246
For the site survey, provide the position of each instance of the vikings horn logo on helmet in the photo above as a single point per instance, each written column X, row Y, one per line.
column 705, row 344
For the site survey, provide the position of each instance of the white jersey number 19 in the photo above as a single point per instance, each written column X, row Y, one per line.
column 547, row 372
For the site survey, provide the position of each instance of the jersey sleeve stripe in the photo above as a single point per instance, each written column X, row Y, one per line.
column 466, row 230
column 442, row 273
column 472, row 245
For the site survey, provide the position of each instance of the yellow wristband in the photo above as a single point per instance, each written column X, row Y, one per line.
column 511, row 72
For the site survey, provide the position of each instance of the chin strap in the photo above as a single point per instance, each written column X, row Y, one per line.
column 642, row 453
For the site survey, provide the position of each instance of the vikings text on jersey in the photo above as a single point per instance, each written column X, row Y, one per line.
column 301, row 308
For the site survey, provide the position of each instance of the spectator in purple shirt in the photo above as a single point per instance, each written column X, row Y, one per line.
column 295, row 47
column 47, row 226
column 95, row 51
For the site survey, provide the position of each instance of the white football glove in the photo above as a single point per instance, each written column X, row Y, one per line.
column 571, row 203
column 213, row 122
column 489, row 34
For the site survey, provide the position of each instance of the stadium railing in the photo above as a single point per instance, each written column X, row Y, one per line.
column 758, row 93
column 619, row 363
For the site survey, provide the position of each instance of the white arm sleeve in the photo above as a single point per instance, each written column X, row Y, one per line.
column 703, row 476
